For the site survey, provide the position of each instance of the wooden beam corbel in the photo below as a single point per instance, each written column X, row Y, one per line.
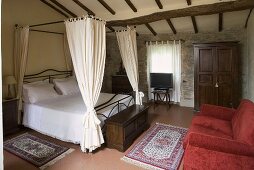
column 193, row 19
column 131, row 5
column 90, row 12
column 220, row 22
column 54, row 8
column 247, row 20
column 188, row 2
column 103, row 3
column 151, row 29
column 199, row 10
column 171, row 26
column 63, row 8
column 158, row 2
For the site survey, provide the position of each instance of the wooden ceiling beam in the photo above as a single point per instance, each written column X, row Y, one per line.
column 188, row 2
column 81, row 5
column 54, row 8
column 131, row 5
column 220, row 22
column 208, row 9
column 103, row 3
column 171, row 26
column 151, row 29
column 158, row 2
column 193, row 19
column 63, row 8
column 247, row 20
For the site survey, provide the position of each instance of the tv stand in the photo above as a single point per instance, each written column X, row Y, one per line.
column 158, row 92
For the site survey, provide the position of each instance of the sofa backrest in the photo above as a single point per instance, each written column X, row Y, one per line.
column 243, row 122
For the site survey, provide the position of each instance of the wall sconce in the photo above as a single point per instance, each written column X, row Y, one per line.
column 10, row 81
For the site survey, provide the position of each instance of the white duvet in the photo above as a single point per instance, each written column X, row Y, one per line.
column 62, row 117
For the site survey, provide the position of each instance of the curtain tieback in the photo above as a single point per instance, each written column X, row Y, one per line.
column 90, row 119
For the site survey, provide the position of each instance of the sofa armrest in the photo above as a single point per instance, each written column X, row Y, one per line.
column 220, row 144
column 218, row 112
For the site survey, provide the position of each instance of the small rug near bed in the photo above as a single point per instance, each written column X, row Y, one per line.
column 160, row 148
column 37, row 151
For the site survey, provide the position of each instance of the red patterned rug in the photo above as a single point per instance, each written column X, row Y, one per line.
column 37, row 151
column 160, row 148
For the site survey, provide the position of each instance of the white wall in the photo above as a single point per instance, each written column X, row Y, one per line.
column 250, row 39
column 45, row 50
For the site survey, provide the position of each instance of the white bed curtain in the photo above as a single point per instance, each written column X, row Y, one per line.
column 165, row 57
column 20, row 59
column 86, row 37
column 128, row 49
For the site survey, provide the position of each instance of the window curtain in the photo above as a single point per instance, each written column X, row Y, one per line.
column 86, row 37
column 165, row 58
column 128, row 49
column 20, row 60
column 67, row 54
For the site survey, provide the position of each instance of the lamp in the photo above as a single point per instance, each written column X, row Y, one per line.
column 9, row 81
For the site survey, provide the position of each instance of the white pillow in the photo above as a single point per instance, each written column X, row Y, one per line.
column 66, row 86
column 39, row 92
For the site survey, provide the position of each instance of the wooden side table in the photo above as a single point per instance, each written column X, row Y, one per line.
column 10, row 116
column 124, row 127
column 165, row 93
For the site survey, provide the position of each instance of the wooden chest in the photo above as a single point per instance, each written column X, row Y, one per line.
column 125, row 126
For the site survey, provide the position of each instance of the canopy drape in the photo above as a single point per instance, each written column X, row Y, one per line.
column 67, row 54
column 165, row 58
column 86, row 37
column 20, row 60
column 128, row 49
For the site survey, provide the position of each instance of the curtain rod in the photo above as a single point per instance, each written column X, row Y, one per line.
column 51, row 32
column 47, row 23
column 164, row 41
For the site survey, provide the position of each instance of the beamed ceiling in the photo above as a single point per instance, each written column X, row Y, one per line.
column 161, row 16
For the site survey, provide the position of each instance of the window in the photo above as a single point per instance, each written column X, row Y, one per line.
column 165, row 58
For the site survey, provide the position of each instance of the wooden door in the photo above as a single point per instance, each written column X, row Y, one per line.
column 216, row 74
column 204, row 76
column 225, row 75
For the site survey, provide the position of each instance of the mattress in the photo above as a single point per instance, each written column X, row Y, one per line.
column 62, row 117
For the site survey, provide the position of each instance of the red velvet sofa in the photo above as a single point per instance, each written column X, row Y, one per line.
column 221, row 138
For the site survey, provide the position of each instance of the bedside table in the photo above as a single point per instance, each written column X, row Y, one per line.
column 10, row 116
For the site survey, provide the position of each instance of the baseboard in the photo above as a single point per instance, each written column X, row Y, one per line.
column 187, row 103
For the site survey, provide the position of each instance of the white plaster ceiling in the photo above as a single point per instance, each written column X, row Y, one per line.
column 209, row 23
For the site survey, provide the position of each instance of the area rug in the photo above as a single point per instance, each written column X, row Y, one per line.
column 160, row 148
column 37, row 151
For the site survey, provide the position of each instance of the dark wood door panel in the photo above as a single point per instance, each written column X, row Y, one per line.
column 206, row 95
column 225, row 96
column 206, row 60
column 205, row 78
column 224, row 59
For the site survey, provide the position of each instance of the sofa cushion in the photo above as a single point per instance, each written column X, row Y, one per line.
column 200, row 158
column 215, row 127
column 243, row 122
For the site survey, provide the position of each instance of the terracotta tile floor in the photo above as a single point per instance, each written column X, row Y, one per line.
column 105, row 158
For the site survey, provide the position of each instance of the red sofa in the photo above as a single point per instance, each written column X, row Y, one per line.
column 221, row 138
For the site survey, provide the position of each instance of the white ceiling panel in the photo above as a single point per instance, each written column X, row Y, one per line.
column 183, row 24
column 207, row 23
column 142, row 29
column 161, row 27
column 234, row 19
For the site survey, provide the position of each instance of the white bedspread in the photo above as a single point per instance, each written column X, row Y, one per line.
column 62, row 117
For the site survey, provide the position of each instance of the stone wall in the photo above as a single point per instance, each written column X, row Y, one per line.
column 187, row 88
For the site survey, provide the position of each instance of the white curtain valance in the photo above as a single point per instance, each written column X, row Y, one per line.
column 87, row 42
column 128, row 49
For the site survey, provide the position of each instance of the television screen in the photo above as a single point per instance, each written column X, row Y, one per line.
column 161, row 80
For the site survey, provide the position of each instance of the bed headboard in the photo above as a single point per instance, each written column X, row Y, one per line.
column 47, row 74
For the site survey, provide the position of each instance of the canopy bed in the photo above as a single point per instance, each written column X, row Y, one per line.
column 76, row 116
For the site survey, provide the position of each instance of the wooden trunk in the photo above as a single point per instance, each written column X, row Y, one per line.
column 216, row 74
column 124, row 127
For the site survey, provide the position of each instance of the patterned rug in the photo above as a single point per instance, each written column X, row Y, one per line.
column 160, row 148
column 37, row 151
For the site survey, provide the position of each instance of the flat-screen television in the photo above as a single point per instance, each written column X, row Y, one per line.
column 161, row 80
